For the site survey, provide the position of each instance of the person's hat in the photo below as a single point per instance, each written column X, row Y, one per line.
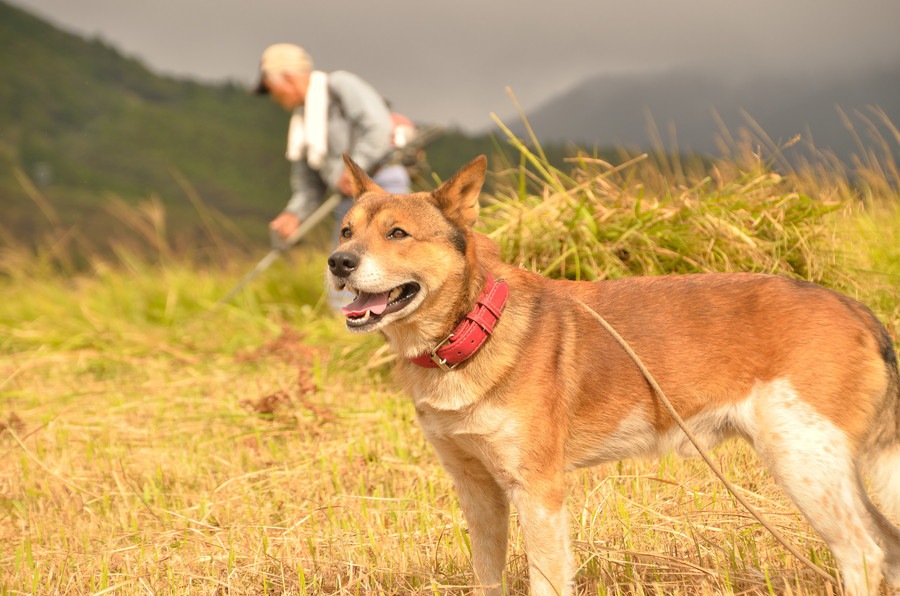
column 282, row 57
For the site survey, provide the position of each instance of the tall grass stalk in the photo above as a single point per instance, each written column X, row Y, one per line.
column 601, row 221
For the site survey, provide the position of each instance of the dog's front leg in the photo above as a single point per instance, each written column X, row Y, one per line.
column 486, row 509
column 542, row 515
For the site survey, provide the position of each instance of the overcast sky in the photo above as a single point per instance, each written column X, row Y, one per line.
column 449, row 61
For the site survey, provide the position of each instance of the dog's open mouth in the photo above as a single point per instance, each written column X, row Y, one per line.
column 369, row 308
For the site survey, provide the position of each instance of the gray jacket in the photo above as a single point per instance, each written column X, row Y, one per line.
column 359, row 124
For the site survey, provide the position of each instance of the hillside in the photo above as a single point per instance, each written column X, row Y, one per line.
column 88, row 126
column 614, row 110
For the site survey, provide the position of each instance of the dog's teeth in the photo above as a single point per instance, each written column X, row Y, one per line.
column 395, row 293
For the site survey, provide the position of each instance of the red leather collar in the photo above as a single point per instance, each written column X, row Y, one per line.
column 472, row 332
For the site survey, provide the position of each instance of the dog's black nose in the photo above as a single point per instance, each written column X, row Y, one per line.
column 343, row 263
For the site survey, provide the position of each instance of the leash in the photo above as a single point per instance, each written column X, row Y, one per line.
column 703, row 452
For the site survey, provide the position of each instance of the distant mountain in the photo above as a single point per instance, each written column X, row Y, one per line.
column 615, row 110
column 88, row 126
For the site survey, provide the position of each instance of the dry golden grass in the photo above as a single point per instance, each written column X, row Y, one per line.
column 271, row 472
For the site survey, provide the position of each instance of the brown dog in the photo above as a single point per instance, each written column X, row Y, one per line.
column 514, row 383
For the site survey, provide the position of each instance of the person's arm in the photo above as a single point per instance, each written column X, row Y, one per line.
column 368, row 117
column 307, row 192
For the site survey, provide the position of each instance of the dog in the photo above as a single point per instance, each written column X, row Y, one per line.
column 514, row 384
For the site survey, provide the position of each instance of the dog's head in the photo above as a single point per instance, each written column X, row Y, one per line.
column 409, row 259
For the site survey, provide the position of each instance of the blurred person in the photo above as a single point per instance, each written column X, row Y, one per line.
column 331, row 114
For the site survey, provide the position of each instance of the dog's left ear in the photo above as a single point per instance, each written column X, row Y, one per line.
column 359, row 179
column 458, row 196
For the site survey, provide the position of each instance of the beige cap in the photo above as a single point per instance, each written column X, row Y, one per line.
column 282, row 57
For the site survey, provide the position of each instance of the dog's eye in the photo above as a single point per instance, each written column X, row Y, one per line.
column 345, row 232
column 397, row 233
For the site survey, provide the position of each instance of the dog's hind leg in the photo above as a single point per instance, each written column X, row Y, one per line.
column 486, row 509
column 888, row 537
column 883, row 467
column 813, row 461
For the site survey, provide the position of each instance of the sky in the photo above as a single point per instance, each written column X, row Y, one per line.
column 452, row 61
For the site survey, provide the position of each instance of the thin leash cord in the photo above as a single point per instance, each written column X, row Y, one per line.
column 703, row 452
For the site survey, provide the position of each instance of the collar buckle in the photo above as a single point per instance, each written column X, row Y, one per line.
column 440, row 362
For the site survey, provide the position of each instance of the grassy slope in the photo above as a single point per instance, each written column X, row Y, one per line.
column 154, row 445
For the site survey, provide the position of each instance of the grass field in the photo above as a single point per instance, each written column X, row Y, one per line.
column 153, row 444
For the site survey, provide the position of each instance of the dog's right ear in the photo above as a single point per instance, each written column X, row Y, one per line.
column 458, row 196
column 359, row 180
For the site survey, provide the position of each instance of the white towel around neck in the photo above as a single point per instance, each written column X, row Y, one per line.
column 308, row 130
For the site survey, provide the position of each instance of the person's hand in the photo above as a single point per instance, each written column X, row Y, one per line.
column 344, row 184
column 285, row 224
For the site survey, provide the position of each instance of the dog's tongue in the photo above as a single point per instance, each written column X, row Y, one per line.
column 375, row 303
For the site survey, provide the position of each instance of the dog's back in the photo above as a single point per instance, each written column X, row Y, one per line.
column 712, row 340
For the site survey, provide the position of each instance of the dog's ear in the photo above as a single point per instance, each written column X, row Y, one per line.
column 458, row 196
column 359, row 180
